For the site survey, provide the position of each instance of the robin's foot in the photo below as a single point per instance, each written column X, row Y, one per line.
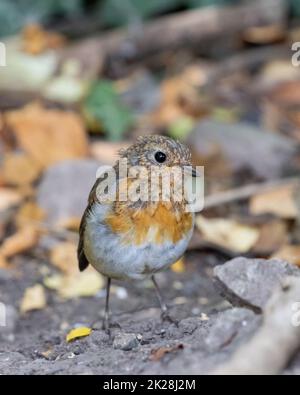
column 165, row 316
column 105, row 325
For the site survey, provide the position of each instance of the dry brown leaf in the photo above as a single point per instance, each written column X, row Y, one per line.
column 34, row 299
column 228, row 233
column 9, row 198
column 267, row 34
column 159, row 353
column 19, row 242
column 272, row 235
column 48, row 135
column 287, row 94
column 180, row 97
column 20, row 169
column 64, row 257
column 37, row 40
column 107, row 152
column 279, row 201
column 289, row 253
column 72, row 224
column 29, row 214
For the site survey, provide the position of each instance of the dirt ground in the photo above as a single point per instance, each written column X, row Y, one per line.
column 35, row 343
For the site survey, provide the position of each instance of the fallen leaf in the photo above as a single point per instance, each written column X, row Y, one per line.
column 48, row 135
column 77, row 333
column 34, row 299
column 72, row 224
column 287, row 94
column 19, row 242
column 29, row 214
column 276, row 74
column 280, row 201
column 267, row 34
column 228, row 233
column 273, row 234
column 9, row 198
column 107, row 152
column 70, row 286
column 20, row 169
column 64, row 257
column 179, row 266
column 159, row 353
column 36, row 40
column 289, row 253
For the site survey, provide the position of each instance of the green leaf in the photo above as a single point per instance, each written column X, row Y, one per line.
column 104, row 105
column 181, row 128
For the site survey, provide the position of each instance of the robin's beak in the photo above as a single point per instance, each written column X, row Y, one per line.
column 192, row 171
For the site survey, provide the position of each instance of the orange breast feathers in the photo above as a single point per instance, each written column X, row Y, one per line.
column 156, row 223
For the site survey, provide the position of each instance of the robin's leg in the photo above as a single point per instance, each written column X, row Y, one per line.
column 106, row 313
column 164, row 308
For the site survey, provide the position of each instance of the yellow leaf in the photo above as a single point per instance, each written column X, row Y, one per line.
column 76, row 285
column 228, row 233
column 33, row 299
column 179, row 266
column 78, row 333
column 280, row 201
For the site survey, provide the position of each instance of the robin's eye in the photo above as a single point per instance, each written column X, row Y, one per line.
column 160, row 157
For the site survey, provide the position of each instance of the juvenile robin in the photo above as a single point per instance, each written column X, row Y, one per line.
column 133, row 240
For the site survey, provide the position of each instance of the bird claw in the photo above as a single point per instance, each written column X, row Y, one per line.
column 165, row 316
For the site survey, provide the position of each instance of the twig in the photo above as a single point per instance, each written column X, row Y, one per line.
column 247, row 60
column 275, row 343
column 245, row 192
column 179, row 30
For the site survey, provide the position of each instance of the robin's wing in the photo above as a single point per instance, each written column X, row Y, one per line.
column 82, row 259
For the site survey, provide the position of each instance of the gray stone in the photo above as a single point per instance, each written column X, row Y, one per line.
column 228, row 325
column 264, row 153
column 250, row 282
column 125, row 341
column 64, row 189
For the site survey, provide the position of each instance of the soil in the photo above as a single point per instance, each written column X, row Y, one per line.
column 208, row 330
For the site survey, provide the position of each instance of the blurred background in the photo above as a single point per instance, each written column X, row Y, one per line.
column 83, row 78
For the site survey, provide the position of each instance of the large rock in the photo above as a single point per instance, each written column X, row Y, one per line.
column 64, row 190
column 264, row 153
column 250, row 282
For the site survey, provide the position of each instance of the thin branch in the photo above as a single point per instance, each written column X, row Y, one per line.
column 245, row 192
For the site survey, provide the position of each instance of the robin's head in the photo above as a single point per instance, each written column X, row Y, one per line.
column 157, row 151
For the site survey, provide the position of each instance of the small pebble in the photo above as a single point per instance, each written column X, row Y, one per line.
column 125, row 341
